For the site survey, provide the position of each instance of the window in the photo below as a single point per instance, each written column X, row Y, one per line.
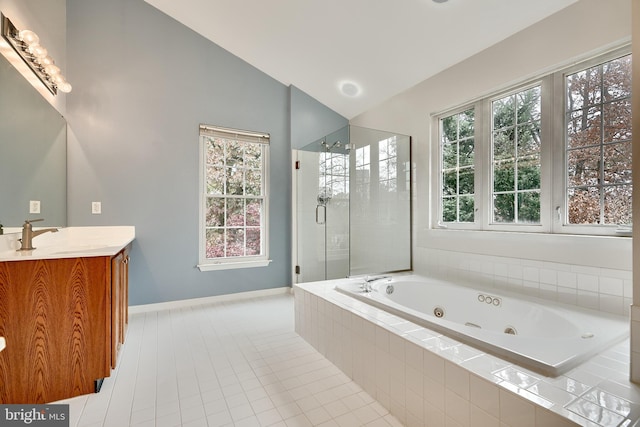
column 388, row 180
column 233, row 208
column 598, row 144
column 333, row 198
column 388, row 158
column 334, row 176
column 363, row 172
column 515, row 139
column 458, row 166
column 551, row 155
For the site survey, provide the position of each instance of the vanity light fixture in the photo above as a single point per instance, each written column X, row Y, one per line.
column 27, row 44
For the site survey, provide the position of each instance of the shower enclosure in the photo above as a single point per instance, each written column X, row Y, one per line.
column 352, row 205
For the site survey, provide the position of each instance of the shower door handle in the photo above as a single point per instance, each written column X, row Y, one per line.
column 324, row 214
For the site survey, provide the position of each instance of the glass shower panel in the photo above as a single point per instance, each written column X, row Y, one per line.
column 380, row 209
column 353, row 208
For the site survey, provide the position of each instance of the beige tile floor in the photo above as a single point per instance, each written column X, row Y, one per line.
column 227, row 364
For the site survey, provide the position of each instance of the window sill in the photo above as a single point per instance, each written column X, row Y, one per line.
column 212, row 266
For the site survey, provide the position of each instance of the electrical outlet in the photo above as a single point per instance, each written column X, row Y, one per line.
column 34, row 206
column 96, row 207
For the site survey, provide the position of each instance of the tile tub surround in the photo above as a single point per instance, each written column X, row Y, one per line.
column 596, row 288
column 426, row 379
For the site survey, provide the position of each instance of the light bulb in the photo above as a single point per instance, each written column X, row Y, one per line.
column 64, row 87
column 47, row 60
column 38, row 51
column 58, row 79
column 52, row 69
column 29, row 37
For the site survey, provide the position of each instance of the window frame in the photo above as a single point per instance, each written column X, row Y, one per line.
column 478, row 188
column 553, row 173
column 245, row 261
column 545, row 157
column 561, row 223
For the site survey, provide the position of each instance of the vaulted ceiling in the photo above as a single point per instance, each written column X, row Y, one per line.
column 353, row 54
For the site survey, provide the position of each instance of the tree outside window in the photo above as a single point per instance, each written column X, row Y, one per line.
column 516, row 157
column 598, row 144
column 234, row 195
column 458, row 166
column 551, row 155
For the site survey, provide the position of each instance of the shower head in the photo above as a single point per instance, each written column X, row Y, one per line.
column 337, row 144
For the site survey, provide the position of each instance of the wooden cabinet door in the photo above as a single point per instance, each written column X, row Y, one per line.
column 119, row 302
column 116, row 306
column 55, row 317
column 124, row 292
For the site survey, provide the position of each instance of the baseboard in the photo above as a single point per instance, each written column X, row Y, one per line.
column 146, row 308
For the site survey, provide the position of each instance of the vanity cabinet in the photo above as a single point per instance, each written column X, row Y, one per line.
column 64, row 321
column 119, row 302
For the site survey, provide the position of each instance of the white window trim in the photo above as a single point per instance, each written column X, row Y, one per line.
column 545, row 165
column 478, row 188
column 209, row 264
column 214, row 266
column 560, row 224
column 553, row 182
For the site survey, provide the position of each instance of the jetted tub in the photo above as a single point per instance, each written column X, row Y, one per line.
column 543, row 336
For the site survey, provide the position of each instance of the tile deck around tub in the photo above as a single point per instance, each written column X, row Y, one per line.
column 596, row 393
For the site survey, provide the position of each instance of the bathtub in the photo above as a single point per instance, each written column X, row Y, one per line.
column 543, row 336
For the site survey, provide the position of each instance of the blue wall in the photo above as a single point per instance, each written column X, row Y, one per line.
column 311, row 120
column 142, row 83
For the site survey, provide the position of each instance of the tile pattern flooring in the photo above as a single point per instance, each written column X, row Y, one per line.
column 225, row 364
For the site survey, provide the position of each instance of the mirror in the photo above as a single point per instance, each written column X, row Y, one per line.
column 33, row 153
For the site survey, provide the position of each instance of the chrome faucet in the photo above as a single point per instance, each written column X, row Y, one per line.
column 28, row 234
column 368, row 280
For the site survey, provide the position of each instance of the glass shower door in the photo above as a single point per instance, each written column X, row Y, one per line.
column 323, row 210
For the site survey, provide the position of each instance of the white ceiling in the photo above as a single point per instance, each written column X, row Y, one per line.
column 385, row 46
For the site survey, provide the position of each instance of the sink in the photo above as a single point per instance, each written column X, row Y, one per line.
column 70, row 242
column 79, row 249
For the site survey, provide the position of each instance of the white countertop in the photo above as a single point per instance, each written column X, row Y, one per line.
column 69, row 242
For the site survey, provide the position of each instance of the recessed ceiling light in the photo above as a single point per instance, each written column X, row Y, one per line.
column 350, row 89
column 440, row 1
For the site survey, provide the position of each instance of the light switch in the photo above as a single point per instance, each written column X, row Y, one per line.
column 34, row 206
column 96, row 208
